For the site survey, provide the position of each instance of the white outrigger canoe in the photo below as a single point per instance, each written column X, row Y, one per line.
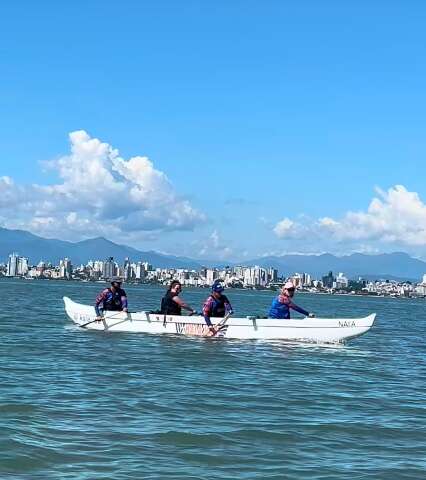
column 319, row 330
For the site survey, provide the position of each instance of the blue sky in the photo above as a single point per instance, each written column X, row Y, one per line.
column 266, row 118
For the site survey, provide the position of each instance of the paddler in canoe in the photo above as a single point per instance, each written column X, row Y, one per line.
column 282, row 304
column 171, row 304
column 113, row 298
column 216, row 305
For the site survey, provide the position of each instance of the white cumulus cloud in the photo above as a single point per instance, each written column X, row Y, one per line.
column 394, row 216
column 213, row 247
column 284, row 228
column 394, row 219
column 99, row 193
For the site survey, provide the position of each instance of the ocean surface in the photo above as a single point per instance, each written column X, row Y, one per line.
column 87, row 405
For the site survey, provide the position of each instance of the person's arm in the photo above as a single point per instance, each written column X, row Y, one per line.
column 228, row 306
column 100, row 299
column 182, row 304
column 206, row 314
column 298, row 309
column 124, row 300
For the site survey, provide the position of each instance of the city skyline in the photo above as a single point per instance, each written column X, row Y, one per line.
column 237, row 276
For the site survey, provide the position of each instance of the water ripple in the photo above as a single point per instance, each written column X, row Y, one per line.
column 88, row 405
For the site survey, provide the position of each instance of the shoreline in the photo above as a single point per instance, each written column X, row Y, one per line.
column 258, row 290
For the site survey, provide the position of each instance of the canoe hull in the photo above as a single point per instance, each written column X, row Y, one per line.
column 320, row 330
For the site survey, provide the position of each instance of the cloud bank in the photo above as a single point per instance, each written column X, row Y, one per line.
column 98, row 193
column 395, row 218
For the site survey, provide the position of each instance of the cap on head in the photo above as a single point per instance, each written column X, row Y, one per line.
column 217, row 287
column 116, row 282
column 289, row 285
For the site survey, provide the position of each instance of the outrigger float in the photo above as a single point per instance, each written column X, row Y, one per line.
column 318, row 330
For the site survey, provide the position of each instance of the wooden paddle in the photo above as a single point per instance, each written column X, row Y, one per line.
column 221, row 324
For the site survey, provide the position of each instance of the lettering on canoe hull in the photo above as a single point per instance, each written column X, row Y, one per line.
column 198, row 329
column 81, row 318
column 347, row 323
column 191, row 329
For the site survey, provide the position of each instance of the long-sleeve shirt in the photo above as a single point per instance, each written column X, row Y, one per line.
column 281, row 306
column 216, row 307
column 111, row 300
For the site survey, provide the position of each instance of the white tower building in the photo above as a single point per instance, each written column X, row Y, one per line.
column 12, row 265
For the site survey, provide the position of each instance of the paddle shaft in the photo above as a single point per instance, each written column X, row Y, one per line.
column 221, row 324
column 103, row 318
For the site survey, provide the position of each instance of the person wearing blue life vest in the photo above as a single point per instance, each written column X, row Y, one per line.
column 282, row 304
column 113, row 298
column 216, row 305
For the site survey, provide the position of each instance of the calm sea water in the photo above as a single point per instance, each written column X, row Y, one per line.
column 94, row 406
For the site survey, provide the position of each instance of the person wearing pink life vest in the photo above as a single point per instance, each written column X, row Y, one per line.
column 282, row 304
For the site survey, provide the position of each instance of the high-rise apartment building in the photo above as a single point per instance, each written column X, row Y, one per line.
column 109, row 268
column 16, row 265
column 12, row 265
column 65, row 269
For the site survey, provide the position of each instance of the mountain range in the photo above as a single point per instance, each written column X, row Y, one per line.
column 391, row 266
column 396, row 265
column 52, row 250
